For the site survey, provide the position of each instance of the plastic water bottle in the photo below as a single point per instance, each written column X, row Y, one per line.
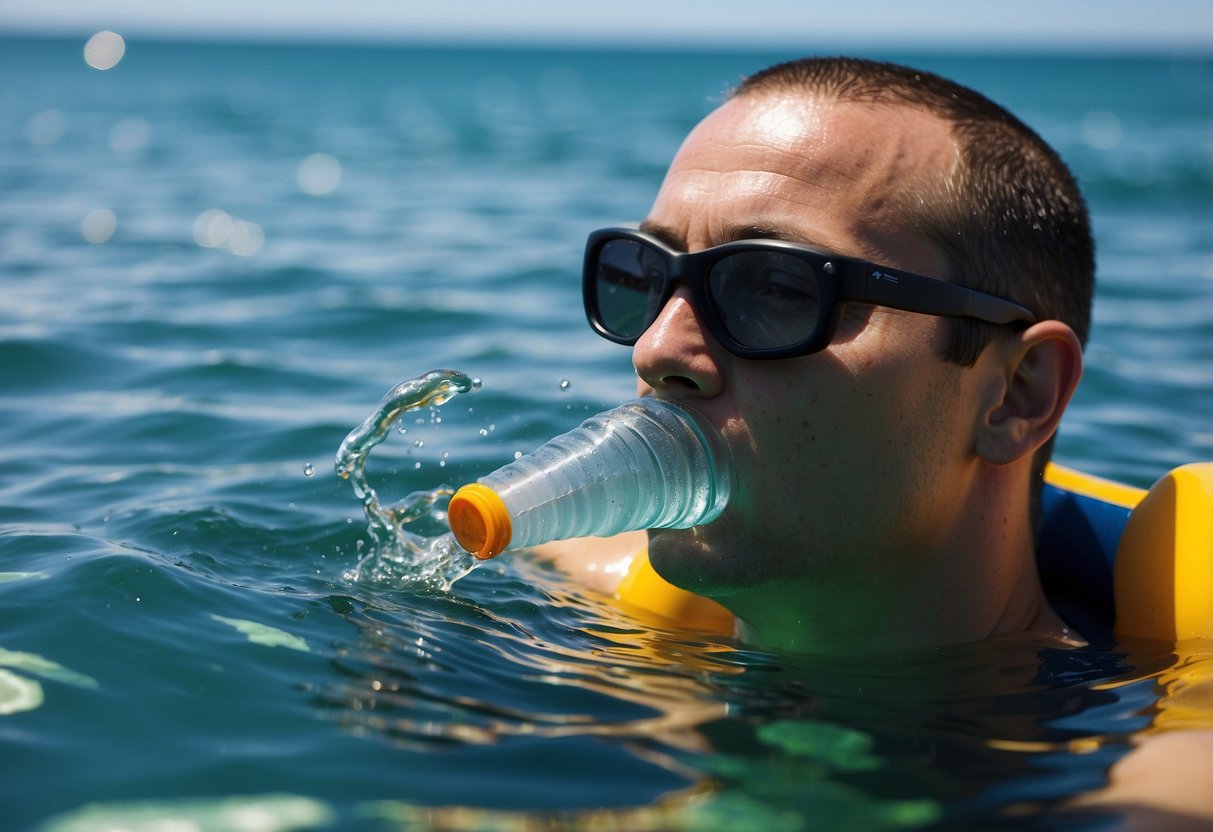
column 647, row 464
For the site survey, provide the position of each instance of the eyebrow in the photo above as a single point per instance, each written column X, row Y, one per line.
column 663, row 233
column 759, row 232
column 735, row 233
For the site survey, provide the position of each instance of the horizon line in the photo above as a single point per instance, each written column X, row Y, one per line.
column 559, row 38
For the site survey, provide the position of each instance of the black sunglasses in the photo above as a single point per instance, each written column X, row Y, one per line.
column 759, row 298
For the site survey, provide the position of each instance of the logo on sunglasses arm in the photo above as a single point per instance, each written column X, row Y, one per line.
column 885, row 276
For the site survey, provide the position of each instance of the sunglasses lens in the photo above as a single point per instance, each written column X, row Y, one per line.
column 627, row 290
column 765, row 299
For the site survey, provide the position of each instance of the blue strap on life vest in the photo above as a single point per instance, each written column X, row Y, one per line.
column 1075, row 556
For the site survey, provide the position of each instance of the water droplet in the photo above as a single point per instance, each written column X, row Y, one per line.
column 309, row 470
column 418, row 443
column 403, row 430
column 484, row 431
column 517, row 454
column 416, row 466
column 564, row 384
column 477, row 384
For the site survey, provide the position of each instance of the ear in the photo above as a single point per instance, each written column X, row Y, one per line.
column 1040, row 370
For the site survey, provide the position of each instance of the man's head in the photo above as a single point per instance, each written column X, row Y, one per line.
column 869, row 468
column 1009, row 217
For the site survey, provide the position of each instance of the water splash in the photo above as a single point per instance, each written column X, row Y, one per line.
column 398, row 553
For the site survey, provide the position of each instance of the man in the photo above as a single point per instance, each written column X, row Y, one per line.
column 888, row 470
column 890, row 460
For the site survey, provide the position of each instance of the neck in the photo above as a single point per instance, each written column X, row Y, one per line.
column 978, row 581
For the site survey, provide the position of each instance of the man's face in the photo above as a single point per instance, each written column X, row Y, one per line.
column 847, row 458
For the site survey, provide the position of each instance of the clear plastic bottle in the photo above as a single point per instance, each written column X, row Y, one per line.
column 647, row 464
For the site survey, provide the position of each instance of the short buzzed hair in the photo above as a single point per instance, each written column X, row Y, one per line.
column 1010, row 219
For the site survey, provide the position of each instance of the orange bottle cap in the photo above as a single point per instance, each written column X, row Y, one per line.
column 480, row 520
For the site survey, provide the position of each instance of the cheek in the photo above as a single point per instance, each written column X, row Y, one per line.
column 801, row 442
column 849, row 451
column 808, row 425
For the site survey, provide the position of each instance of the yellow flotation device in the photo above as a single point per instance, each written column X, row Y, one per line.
column 1112, row 559
column 646, row 591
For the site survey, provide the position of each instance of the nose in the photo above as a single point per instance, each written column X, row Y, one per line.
column 677, row 354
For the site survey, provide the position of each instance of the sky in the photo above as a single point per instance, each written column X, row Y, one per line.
column 1098, row 24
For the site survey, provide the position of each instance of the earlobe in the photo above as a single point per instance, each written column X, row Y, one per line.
column 1041, row 369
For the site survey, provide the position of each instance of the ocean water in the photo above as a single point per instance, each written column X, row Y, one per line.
column 215, row 259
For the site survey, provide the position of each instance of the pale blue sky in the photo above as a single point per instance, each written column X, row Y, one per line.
column 1146, row 24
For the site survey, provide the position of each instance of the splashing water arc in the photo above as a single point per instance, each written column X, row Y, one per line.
column 396, row 552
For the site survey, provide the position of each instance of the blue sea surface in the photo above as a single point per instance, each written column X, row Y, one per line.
column 216, row 258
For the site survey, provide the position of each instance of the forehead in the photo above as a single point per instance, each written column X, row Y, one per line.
column 835, row 174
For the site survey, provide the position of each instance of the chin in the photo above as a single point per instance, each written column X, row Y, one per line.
column 690, row 560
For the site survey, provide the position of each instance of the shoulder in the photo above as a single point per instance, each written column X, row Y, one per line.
column 599, row 563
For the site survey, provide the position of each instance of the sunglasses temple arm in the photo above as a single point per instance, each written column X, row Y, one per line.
column 914, row 293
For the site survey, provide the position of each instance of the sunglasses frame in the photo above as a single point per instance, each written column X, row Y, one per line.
column 840, row 279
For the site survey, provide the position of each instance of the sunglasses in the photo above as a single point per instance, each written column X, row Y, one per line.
column 759, row 298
